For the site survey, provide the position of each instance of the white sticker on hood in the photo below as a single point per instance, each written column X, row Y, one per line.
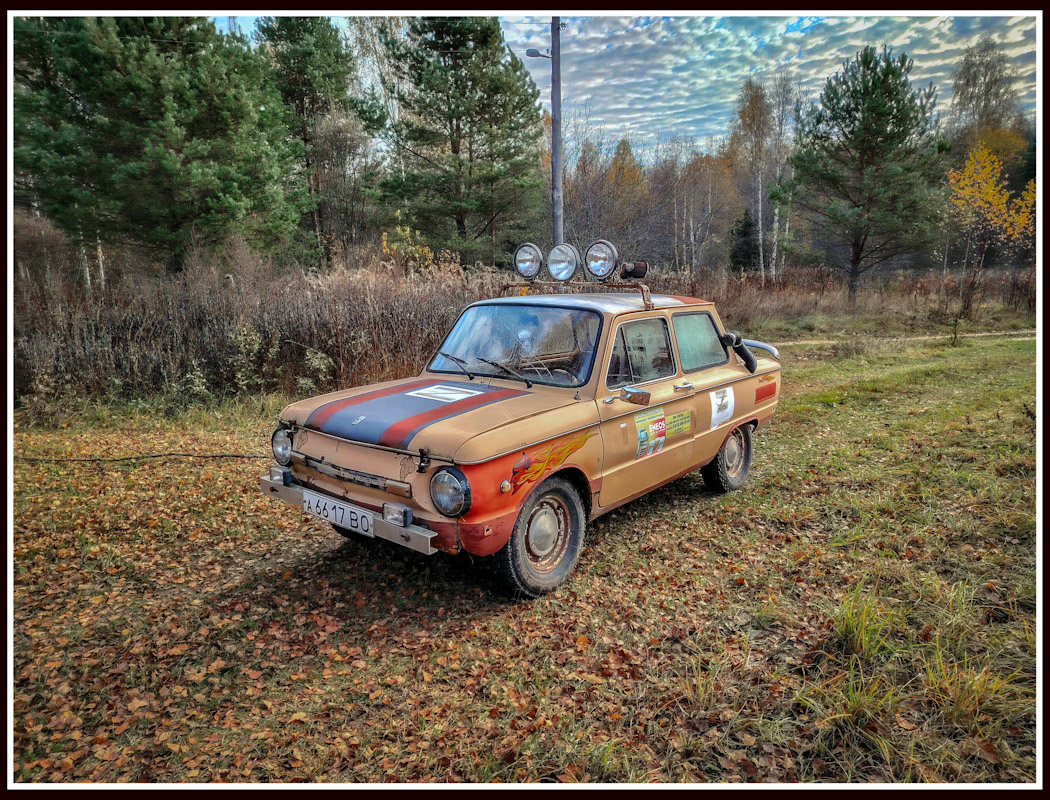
column 722, row 402
column 443, row 393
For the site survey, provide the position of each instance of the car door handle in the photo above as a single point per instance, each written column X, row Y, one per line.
column 684, row 386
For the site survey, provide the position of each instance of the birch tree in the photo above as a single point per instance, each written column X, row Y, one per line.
column 752, row 130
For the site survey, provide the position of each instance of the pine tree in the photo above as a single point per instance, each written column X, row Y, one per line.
column 151, row 131
column 744, row 254
column 314, row 70
column 469, row 136
column 867, row 161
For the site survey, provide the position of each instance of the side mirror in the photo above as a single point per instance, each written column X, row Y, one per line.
column 637, row 397
column 731, row 339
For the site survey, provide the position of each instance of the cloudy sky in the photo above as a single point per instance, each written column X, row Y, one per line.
column 654, row 76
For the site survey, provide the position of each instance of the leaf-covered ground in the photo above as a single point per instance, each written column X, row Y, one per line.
column 863, row 610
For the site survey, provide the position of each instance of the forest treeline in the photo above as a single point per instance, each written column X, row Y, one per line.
column 421, row 142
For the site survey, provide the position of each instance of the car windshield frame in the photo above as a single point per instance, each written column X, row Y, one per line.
column 537, row 378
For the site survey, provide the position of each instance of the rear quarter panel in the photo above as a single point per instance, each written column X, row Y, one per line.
column 754, row 400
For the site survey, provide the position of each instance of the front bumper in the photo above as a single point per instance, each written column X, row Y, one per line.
column 414, row 537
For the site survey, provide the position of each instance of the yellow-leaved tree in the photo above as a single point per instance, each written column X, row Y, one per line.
column 987, row 214
column 626, row 199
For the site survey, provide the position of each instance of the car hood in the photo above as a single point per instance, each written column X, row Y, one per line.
column 438, row 414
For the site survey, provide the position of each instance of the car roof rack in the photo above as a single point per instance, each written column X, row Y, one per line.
column 527, row 287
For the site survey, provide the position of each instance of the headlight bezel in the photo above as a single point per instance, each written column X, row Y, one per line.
column 573, row 253
column 539, row 261
column 615, row 255
column 464, row 485
column 286, row 432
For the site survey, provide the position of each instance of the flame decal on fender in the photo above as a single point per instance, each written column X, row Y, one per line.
column 535, row 463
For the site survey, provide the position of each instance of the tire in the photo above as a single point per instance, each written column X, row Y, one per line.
column 728, row 470
column 535, row 564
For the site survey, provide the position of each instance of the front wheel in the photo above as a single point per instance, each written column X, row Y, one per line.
column 547, row 540
column 728, row 470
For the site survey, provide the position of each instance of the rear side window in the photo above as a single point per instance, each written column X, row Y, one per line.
column 641, row 353
column 699, row 345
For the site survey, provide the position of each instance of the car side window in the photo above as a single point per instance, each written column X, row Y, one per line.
column 641, row 353
column 699, row 345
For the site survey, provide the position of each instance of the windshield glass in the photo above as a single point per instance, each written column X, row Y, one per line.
column 552, row 346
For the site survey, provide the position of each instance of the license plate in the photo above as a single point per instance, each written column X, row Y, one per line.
column 338, row 513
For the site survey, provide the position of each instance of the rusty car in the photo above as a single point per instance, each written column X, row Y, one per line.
column 538, row 412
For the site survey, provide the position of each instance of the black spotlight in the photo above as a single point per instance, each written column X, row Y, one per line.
column 634, row 269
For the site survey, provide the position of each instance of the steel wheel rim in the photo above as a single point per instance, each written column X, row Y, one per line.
column 734, row 453
column 547, row 533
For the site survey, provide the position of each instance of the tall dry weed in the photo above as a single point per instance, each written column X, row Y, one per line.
column 233, row 322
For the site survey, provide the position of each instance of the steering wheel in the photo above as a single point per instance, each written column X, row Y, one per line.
column 572, row 379
column 535, row 365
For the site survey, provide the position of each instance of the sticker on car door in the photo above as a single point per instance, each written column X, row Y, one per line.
column 679, row 422
column 722, row 403
column 651, row 431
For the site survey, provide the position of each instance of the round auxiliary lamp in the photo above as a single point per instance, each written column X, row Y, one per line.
column 601, row 259
column 528, row 261
column 563, row 262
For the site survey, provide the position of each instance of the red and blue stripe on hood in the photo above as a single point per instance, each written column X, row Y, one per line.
column 392, row 416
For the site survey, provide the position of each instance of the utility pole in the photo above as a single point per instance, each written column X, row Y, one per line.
column 556, row 171
column 556, row 182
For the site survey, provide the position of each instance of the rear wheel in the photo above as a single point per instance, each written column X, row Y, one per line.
column 728, row 470
column 547, row 540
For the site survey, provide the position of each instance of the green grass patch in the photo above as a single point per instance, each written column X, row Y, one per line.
column 863, row 610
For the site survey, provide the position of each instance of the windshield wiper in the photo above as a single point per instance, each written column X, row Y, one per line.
column 459, row 362
column 508, row 370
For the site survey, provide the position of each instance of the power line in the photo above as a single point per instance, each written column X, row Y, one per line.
column 137, row 458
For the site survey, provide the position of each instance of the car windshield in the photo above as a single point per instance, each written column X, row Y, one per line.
column 538, row 344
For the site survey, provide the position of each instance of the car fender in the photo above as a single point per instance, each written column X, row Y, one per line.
column 500, row 486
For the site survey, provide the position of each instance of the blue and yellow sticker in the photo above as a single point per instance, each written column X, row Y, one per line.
column 679, row 422
column 654, row 427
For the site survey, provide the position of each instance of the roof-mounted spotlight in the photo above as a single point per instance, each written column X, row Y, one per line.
column 528, row 261
column 563, row 261
column 634, row 270
column 600, row 260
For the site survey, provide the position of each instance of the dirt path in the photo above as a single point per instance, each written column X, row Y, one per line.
column 1026, row 334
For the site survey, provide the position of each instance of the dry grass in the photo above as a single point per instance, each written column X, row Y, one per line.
column 201, row 335
column 863, row 610
column 233, row 323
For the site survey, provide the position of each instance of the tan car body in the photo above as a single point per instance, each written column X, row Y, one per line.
column 506, row 448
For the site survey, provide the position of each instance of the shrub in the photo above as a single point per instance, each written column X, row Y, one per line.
column 233, row 322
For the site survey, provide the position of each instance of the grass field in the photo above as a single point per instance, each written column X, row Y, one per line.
column 863, row 610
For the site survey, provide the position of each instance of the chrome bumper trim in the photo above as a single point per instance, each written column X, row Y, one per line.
column 414, row 537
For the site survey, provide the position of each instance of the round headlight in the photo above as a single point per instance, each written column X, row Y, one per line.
column 282, row 446
column 600, row 259
column 563, row 261
column 528, row 261
column 450, row 492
